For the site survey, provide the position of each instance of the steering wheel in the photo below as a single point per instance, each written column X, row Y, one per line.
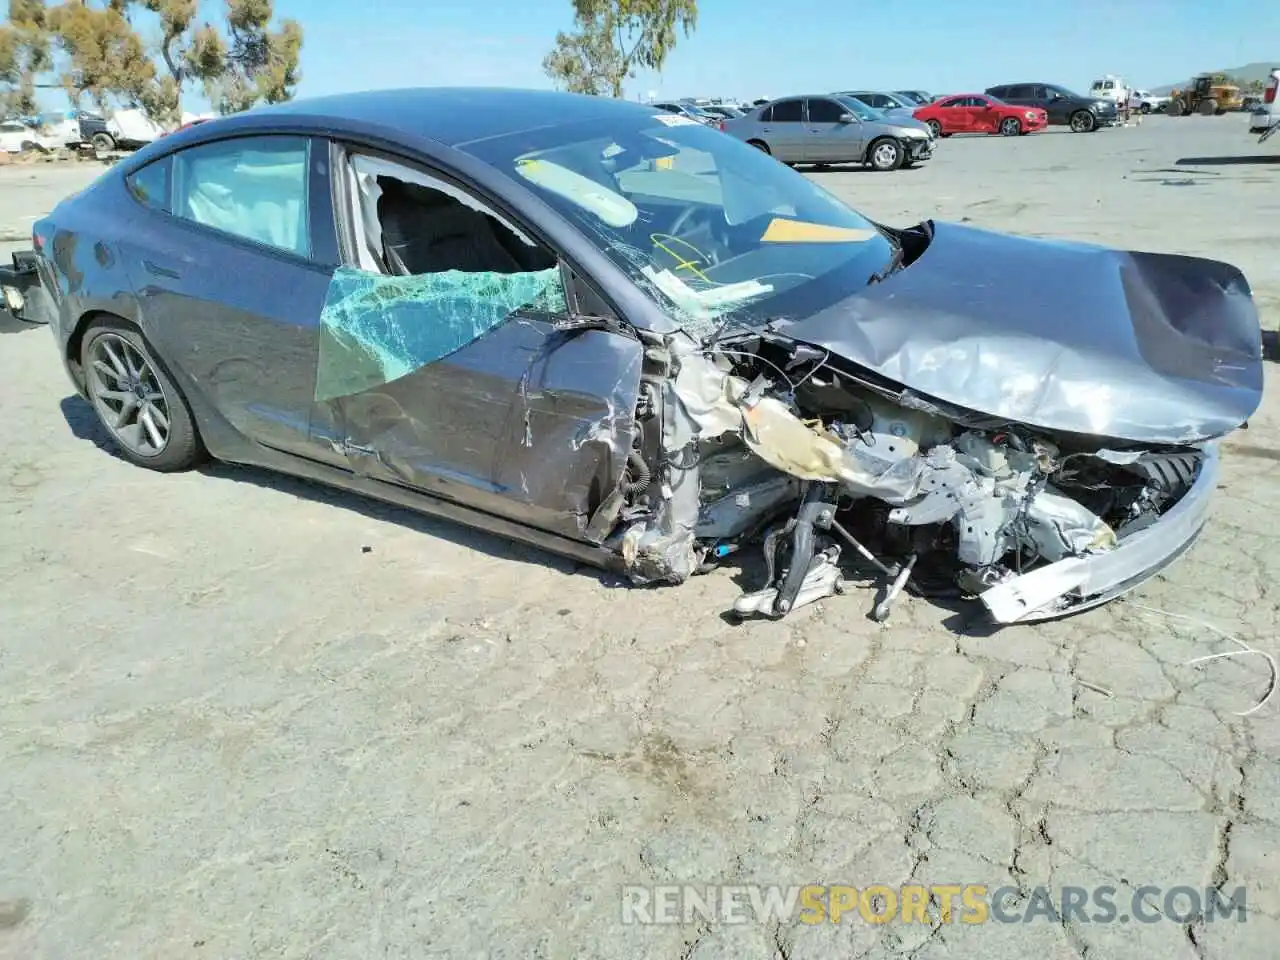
column 687, row 214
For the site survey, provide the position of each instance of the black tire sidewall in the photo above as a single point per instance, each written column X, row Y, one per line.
column 1017, row 130
column 936, row 127
column 184, row 449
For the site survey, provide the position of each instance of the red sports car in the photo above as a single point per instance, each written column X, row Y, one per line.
column 978, row 113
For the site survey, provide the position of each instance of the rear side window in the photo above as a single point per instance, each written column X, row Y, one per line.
column 787, row 112
column 1002, row 92
column 1024, row 92
column 251, row 187
column 150, row 185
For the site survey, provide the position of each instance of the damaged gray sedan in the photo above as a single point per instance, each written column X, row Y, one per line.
column 628, row 338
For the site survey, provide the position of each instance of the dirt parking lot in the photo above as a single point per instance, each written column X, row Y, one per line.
column 241, row 717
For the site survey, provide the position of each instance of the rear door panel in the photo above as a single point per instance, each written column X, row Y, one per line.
column 787, row 138
column 237, row 319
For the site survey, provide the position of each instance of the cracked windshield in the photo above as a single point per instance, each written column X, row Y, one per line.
column 719, row 234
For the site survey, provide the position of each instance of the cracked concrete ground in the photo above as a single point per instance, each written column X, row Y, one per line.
column 244, row 718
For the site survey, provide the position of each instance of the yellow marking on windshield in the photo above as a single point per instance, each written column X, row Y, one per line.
column 662, row 241
column 798, row 231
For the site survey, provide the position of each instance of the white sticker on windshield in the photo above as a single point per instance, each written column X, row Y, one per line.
column 676, row 120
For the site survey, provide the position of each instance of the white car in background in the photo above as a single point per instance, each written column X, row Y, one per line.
column 1149, row 102
column 16, row 137
column 1266, row 117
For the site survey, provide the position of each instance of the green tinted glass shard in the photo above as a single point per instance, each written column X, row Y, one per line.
column 375, row 328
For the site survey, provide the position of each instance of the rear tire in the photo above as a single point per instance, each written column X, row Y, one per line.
column 936, row 127
column 885, row 154
column 1208, row 107
column 136, row 400
column 760, row 145
column 1145, row 108
column 103, row 142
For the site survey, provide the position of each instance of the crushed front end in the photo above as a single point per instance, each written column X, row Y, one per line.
column 760, row 442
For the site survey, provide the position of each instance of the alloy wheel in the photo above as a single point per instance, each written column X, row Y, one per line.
column 128, row 396
column 936, row 127
column 1081, row 122
column 1010, row 127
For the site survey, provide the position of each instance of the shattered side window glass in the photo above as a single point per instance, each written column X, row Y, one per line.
column 438, row 271
column 376, row 328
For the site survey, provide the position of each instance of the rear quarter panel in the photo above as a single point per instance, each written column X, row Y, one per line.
column 81, row 262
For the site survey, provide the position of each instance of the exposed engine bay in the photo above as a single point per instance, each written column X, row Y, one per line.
column 760, row 442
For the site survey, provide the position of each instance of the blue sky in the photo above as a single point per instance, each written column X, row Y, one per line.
column 771, row 48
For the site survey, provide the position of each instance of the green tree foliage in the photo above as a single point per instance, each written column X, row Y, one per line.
column 252, row 63
column 106, row 56
column 24, row 55
column 612, row 39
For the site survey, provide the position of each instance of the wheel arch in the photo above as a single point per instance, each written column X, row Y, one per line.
column 91, row 319
column 75, row 340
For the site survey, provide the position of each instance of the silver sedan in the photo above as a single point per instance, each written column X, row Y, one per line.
column 825, row 128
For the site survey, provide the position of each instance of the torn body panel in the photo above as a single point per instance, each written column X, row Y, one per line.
column 525, row 422
column 1030, row 523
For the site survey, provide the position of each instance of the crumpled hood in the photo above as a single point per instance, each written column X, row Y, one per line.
column 1143, row 347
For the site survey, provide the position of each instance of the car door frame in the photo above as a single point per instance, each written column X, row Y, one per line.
column 954, row 119
column 833, row 142
column 604, row 343
column 789, row 145
column 278, row 423
column 984, row 117
column 1057, row 108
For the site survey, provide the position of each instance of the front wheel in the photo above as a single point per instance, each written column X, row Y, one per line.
column 885, row 155
column 136, row 401
column 1010, row 127
column 1082, row 121
column 1145, row 108
column 103, row 142
column 759, row 145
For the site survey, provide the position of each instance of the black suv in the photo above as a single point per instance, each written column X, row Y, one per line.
column 1081, row 114
column 93, row 130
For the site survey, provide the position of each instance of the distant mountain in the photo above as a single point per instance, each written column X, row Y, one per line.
column 1242, row 75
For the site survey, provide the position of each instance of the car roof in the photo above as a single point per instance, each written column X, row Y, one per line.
column 449, row 115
